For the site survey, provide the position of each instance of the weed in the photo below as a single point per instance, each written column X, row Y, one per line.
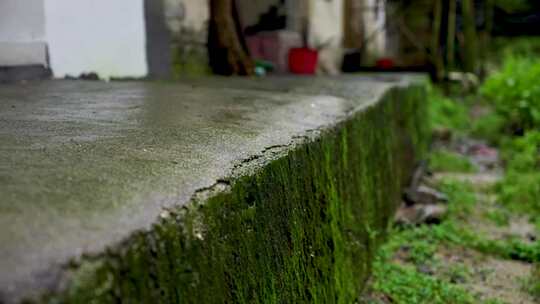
column 403, row 284
column 489, row 127
column 520, row 188
column 533, row 286
column 458, row 273
column 498, row 217
column 446, row 113
column 447, row 161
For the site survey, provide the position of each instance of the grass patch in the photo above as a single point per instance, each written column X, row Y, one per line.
column 489, row 127
column 447, row 161
column 533, row 283
column 446, row 113
column 499, row 217
column 415, row 246
column 520, row 188
column 404, row 284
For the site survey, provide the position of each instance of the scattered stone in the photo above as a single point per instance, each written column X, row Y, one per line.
column 424, row 195
column 479, row 180
column 421, row 203
column 469, row 81
column 425, row 269
column 484, row 155
column 442, row 134
column 420, row 214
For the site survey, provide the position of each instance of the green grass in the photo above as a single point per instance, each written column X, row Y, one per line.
column 442, row 160
column 520, row 188
column 489, row 127
column 533, row 284
column 406, row 283
column 446, row 113
column 499, row 217
column 513, row 94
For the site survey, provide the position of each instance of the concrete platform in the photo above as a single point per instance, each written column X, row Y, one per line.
column 92, row 172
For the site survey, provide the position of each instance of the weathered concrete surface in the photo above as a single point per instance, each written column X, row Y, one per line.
column 86, row 165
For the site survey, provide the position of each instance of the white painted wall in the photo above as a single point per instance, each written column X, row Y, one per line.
column 325, row 22
column 374, row 21
column 22, row 32
column 102, row 36
column 326, row 33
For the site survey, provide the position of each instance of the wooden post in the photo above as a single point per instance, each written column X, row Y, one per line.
column 451, row 35
column 436, row 58
column 352, row 24
column 486, row 36
column 470, row 37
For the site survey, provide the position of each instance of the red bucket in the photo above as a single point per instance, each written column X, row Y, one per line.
column 385, row 63
column 303, row 61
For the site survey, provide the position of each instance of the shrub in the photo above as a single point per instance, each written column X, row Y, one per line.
column 514, row 92
column 520, row 187
column 446, row 113
column 512, row 6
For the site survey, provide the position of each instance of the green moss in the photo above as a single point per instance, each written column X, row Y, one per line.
column 190, row 62
column 303, row 228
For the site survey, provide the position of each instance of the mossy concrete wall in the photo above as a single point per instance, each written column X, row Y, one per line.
column 300, row 228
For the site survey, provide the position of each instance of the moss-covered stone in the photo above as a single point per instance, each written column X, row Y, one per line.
column 191, row 60
column 302, row 228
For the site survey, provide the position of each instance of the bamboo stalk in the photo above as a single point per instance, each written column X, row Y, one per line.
column 469, row 32
column 435, row 42
column 451, row 38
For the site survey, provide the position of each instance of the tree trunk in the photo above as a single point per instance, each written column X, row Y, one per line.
column 226, row 46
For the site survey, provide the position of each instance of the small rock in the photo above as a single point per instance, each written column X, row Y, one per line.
column 424, row 195
column 425, row 269
column 420, row 214
column 484, row 155
column 432, row 214
column 442, row 134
